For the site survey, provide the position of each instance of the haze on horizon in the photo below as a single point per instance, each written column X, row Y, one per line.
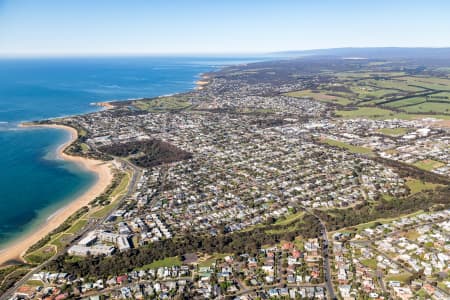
column 138, row 27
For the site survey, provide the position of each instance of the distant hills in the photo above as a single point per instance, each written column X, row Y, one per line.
column 373, row 52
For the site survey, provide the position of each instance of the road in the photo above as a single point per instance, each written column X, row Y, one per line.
column 381, row 281
column 131, row 189
column 325, row 255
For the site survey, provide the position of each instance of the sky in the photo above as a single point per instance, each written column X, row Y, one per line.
column 137, row 27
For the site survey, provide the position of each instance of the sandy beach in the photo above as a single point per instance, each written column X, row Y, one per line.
column 103, row 170
column 204, row 80
column 105, row 105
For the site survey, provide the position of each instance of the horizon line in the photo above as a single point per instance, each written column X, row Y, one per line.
column 193, row 54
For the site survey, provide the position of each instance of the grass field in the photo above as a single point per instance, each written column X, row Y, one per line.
column 320, row 96
column 77, row 226
column 428, row 164
column 370, row 263
column 41, row 255
column 376, row 113
column 117, row 192
column 61, row 240
column 366, row 112
column 35, row 283
column 412, row 235
column 402, row 103
column 365, row 91
column 397, row 84
column 444, row 96
column 402, row 277
column 433, row 83
column 351, row 148
column 417, row 186
column 122, row 187
column 162, row 104
column 167, row 262
column 429, row 107
column 393, row 131
column 289, row 219
column 374, row 74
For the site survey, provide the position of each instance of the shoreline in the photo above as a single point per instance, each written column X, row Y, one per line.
column 202, row 82
column 16, row 249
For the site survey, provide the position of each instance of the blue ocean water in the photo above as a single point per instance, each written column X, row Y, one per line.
column 33, row 184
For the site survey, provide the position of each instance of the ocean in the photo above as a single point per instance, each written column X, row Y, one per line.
column 33, row 182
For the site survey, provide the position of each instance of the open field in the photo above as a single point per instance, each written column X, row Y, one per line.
column 393, row 131
column 289, row 219
column 402, row 277
column 368, row 92
column 77, row 226
column 429, row 107
column 444, row 96
column 366, row 112
column 432, row 83
column 417, row 186
column 367, row 74
column 405, row 102
column 428, row 164
column 370, row 263
column 167, row 262
column 351, row 148
column 377, row 113
column 169, row 103
column 399, row 84
column 321, row 96
column 41, row 255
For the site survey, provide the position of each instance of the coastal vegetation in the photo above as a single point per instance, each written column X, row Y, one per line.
column 10, row 275
column 61, row 228
column 110, row 201
column 118, row 183
column 41, row 255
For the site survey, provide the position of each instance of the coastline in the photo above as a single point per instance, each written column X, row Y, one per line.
column 17, row 249
column 204, row 80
